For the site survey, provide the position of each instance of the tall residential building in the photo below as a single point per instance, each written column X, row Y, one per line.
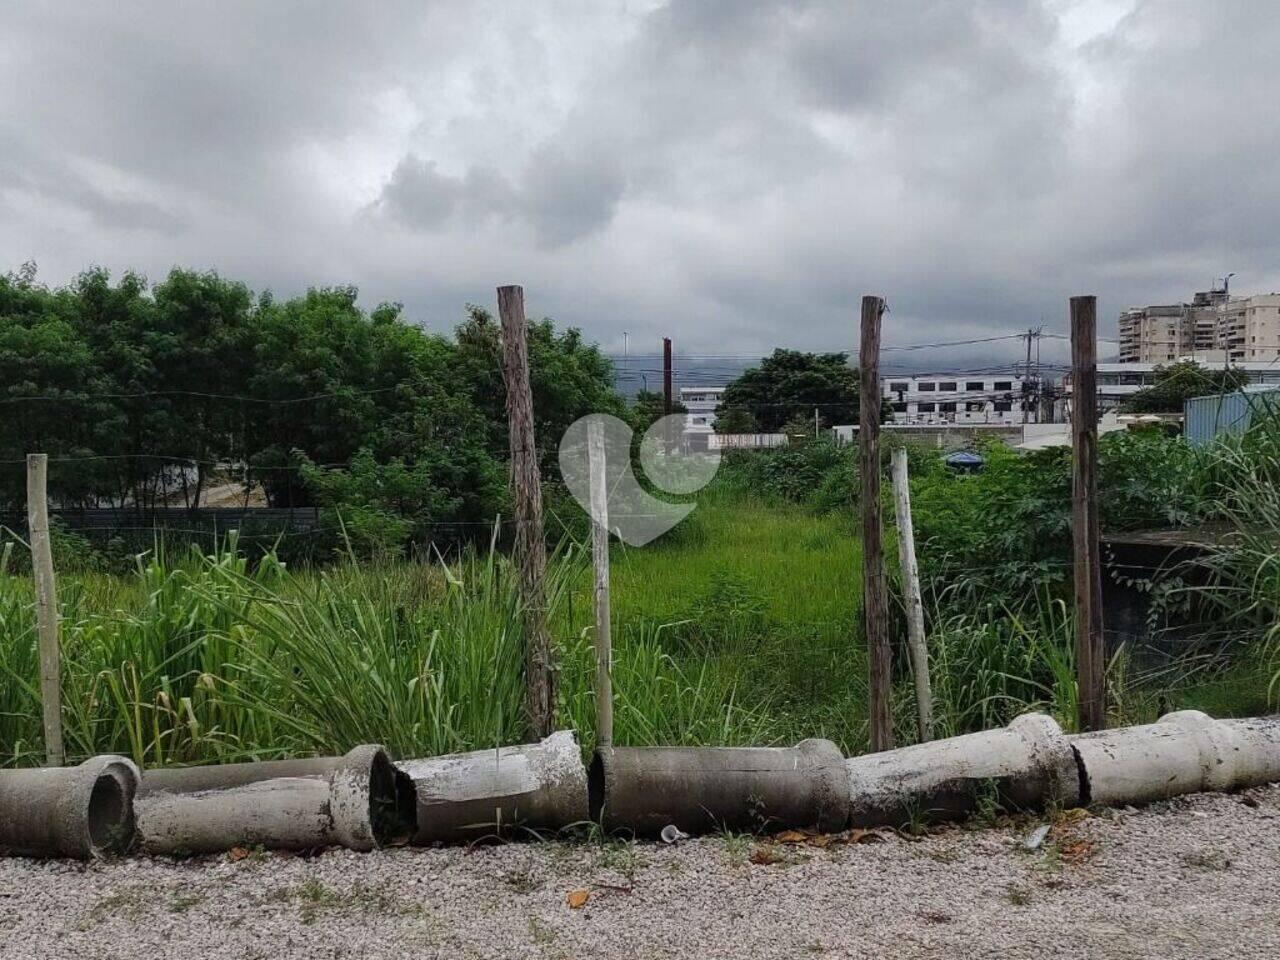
column 1241, row 328
column 1250, row 328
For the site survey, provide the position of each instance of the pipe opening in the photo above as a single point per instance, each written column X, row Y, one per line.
column 110, row 816
column 393, row 802
column 1086, row 789
column 596, row 787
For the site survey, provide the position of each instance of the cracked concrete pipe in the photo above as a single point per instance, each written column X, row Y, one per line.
column 701, row 789
column 83, row 811
column 1024, row 765
column 534, row 787
column 1183, row 752
column 359, row 800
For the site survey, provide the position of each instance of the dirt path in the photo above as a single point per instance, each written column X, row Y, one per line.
column 1194, row 878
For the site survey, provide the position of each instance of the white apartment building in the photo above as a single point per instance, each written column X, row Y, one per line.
column 1152, row 334
column 700, row 405
column 1244, row 328
column 931, row 399
column 1250, row 328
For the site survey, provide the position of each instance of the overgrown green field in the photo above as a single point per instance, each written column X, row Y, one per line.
column 741, row 627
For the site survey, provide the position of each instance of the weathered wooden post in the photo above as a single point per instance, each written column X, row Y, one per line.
column 1090, row 651
column 600, row 562
column 46, row 605
column 911, row 593
column 875, row 591
column 526, row 488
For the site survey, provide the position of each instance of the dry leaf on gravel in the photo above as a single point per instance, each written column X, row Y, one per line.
column 578, row 898
column 765, row 855
column 811, row 838
column 1077, row 850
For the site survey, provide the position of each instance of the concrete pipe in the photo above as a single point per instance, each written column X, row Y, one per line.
column 1183, row 752
column 701, row 789
column 1022, row 766
column 83, row 811
column 537, row 786
column 359, row 800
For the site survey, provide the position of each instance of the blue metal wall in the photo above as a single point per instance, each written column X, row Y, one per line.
column 1226, row 413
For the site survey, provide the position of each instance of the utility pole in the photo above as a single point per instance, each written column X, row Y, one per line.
column 46, row 606
column 817, row 427
column 1026, row 407
column 1090, row 651
column 875, row 590
column 666, row 376
column 526, row 488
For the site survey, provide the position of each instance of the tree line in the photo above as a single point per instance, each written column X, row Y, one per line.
column 147, row 394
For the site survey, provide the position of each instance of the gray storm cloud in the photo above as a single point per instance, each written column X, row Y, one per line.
column 734, row 174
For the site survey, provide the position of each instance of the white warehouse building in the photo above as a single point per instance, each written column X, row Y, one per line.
column 930, row 399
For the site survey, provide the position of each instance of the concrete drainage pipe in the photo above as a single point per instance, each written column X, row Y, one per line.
column 84, row 811
column 1183, row 752
column 359, row 800
column 1022, row 766
column 537, row 786
column 701, row 789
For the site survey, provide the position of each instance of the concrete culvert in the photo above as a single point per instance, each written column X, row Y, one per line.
column 510, row 791
column 1183, row 752
column 84, row 811
column 1020, row 767
column 703, row 789
column 359, row 800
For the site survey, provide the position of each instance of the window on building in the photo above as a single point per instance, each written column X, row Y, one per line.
column 1002, row 385
column 1003, row 406
column 898, row 387
column 974, row 406
column 951, row 387
column 946, row 408
column 899, row 408
column 926, row 387
column 924, row 408
column 973, row 385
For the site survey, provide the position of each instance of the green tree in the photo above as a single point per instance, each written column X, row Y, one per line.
column 1178, row 382
column 648, row 408
column 735, row 420
column 791, row 383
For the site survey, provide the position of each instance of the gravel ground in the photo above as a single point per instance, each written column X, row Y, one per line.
column 1193, row 877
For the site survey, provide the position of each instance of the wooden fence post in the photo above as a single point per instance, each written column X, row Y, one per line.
column 1090, row 651
column 600, row 562
column 875, row 591
column 46, row 606
column 526, row 488
column 911, row 591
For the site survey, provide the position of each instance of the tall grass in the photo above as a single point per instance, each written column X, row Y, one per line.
column 741, row 627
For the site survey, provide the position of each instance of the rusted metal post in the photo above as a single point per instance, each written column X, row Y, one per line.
column 526, row 488
column 875, row 591
column 1090, row 652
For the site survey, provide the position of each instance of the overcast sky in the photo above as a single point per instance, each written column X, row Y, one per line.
column 733, row 173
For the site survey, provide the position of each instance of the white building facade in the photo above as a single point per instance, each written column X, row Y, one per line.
column 1117, row 382
column 973, row 399
column 700, row 410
